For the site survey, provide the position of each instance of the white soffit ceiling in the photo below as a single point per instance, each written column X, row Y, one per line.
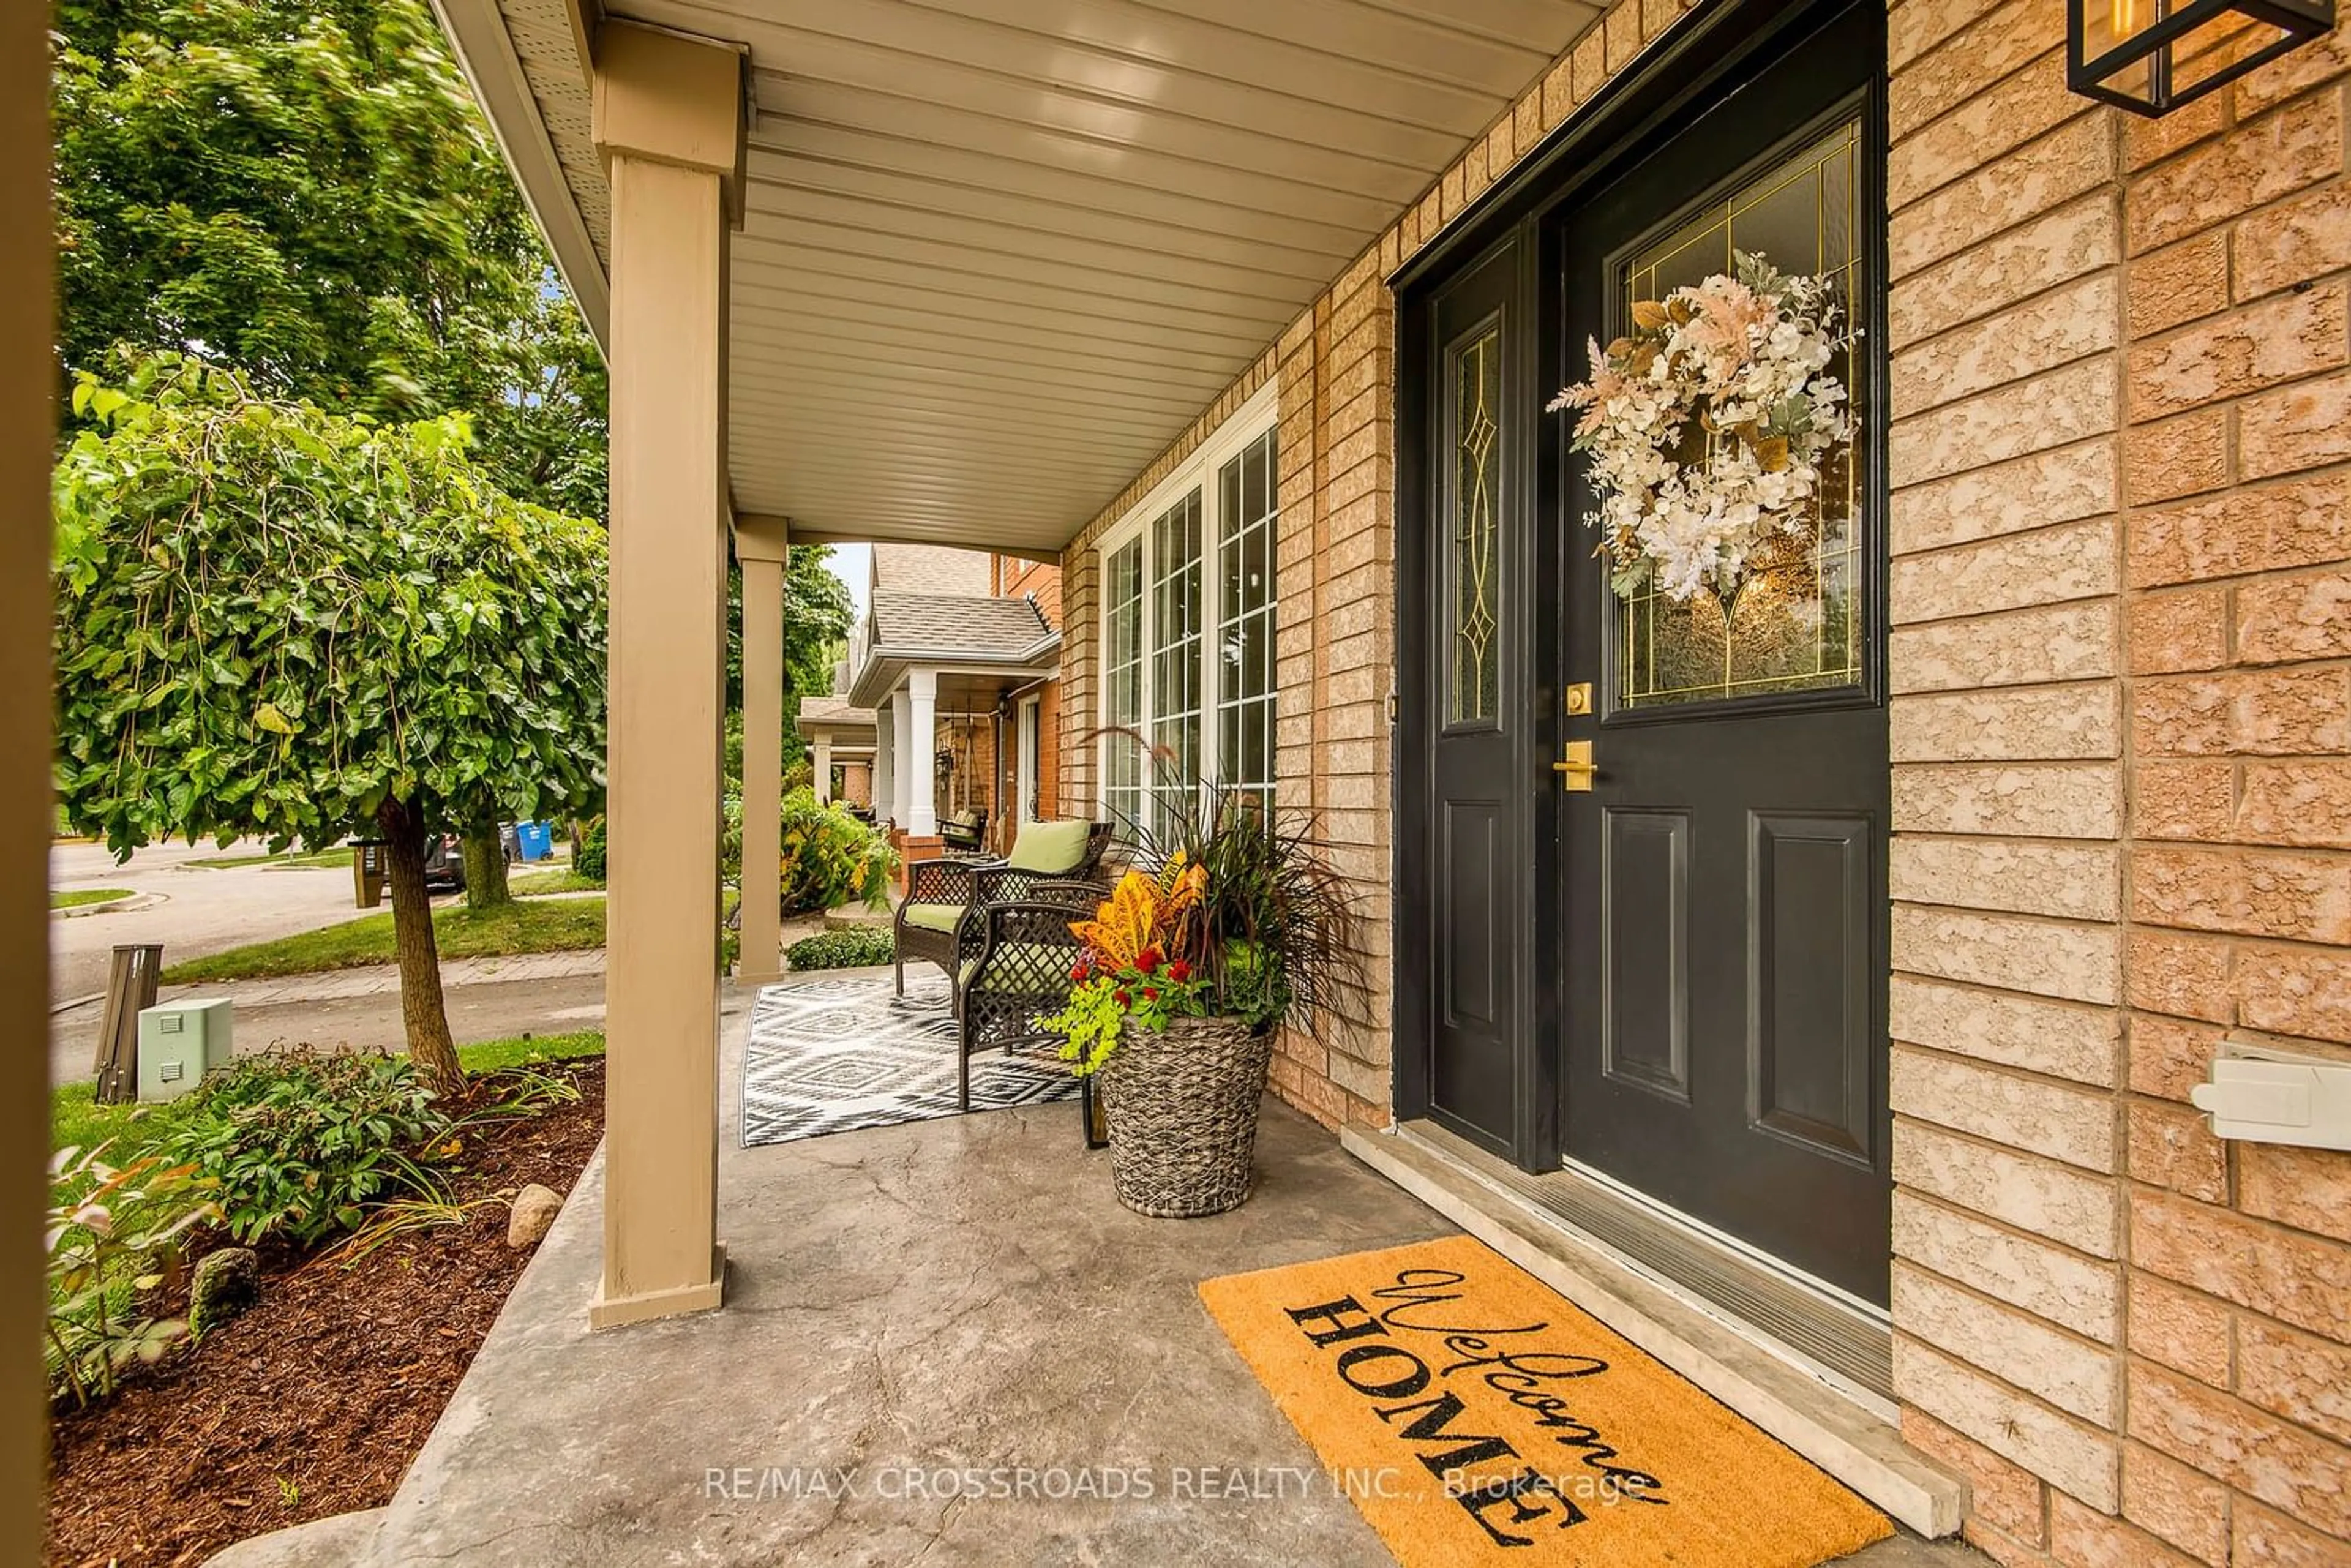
column 998, row 253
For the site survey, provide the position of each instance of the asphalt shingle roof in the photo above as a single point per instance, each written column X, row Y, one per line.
column 956, row 623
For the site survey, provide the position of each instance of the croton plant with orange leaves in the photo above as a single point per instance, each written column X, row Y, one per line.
column 1141, row 962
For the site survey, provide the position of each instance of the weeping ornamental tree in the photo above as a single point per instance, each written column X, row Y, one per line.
column 281, row 623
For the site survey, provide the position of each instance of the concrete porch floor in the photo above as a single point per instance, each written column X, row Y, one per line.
column 942, row 1296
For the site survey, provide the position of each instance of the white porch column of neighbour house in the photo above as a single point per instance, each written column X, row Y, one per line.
column 922, row 751
column 904, row 763
column 668, row 116
column 824, row 765
column 761, row 546
column 885, row 786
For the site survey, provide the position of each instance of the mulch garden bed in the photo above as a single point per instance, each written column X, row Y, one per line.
column 317, row 1399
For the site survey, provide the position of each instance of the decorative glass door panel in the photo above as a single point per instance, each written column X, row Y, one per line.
column 1475, row 528
column 1797, row 621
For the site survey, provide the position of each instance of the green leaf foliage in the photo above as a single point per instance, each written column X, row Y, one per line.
column 271, row 620
column 851, row 947
column 828, row 858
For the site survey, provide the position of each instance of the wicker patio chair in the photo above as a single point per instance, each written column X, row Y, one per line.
column 935, row 924
column 1026, row 951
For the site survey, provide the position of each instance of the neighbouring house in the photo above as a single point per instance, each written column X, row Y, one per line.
column 955, row 663
column 841, row 743
column 1816, row 967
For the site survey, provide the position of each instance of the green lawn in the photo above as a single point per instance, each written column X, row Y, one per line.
column 80, row 898
column 562, row 879
column 77, row 1121
column 545, row 926
column 338, row 856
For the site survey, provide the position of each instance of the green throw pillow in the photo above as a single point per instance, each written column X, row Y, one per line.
column 1049, row 847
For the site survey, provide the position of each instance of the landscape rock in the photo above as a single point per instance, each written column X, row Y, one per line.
column 225, row 1283
column 535, row 1209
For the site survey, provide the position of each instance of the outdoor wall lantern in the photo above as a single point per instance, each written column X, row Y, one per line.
column 2152, row 56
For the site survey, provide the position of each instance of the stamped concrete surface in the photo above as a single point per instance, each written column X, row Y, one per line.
column 953, row 1296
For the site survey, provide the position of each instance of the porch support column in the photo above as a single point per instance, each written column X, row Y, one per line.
column 759, row 546
column 904, row 763
column 824, row 765
column 884, row 793
column 668, row 120
column 922, row 754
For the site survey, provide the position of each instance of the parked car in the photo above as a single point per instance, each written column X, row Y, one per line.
column 445, row 863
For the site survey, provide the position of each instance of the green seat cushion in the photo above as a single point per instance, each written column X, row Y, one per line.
column 935, row 916
column 1024, row 962
column 1049, row 847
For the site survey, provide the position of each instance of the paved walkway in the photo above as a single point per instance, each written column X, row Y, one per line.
column 383, row 979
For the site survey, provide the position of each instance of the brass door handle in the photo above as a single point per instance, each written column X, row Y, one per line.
column 1576, row 770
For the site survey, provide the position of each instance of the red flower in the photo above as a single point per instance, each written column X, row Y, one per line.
column 1150, row 993
column 1078, row 970
column 1149, row 960
column 1180, row 971
column 1124, row 1001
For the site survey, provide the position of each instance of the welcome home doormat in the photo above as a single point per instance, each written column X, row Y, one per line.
column 1474, row 1417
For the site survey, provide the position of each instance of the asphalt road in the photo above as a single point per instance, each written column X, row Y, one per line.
column 198, row 910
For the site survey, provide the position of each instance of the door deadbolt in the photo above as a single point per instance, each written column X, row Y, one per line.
column 1576, row 769
column 1579, row 698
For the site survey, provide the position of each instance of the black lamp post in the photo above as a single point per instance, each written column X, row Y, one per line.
column 2152, row 56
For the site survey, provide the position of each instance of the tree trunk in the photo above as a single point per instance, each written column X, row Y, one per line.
column 486, row 868
column 422, row 1013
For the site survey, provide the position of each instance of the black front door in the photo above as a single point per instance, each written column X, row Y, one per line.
column 1723, row 944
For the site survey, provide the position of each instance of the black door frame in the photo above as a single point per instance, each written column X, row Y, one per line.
column 1713, row 48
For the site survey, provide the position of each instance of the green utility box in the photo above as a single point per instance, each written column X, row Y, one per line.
column 179, row 1042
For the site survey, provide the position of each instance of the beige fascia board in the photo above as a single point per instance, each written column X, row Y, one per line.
column 477, row 36
column 886, row 668
column 673, row 97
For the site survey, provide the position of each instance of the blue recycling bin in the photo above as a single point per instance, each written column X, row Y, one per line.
column 535, row 840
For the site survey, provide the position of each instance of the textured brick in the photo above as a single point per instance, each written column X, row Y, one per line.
column 2170, row 288
column 2076, row 961
column 2296, row 1279
column 2072, row 1374
column 2183, row 456
column 2300, row 1474
column 2179, row 1328
column 2297, row 802
column 2000, row 116
column 2258, row 1536
column 2293, row 242
column 2039, row 1197
column 2086, row 1538
column 2037, row 336
column 2039, row 1114
column 2075, row 560
column 2273, row 157
column 2288, row 713
column 2005, row 1495
column 2069, row 1454
column 2305, row 897
column 2069, row 161
column 2186, row 977
column 2320, row 61
column 2183, row 1507
column 2062, row 800
column 2065, row 1039
column 2083, row 1294
column 2173, row 632
column 2073, row 881
column 1918, row 27
column 2283, row 619
column 2172, row 1146
column 2080, row 237
column 2278, row 339
column 1987, row 51
column 2296, row 990
column 2167, row 1057
column 2046, row 487
column 2026, row 724
column 2304, row 522
column 2146, row 141
column 2295, row 428
column 2025, row 647
column 1590, row 59
column 2309, row 1189
column 2183, row 799
column 2297, row 1375
column 2053, row 410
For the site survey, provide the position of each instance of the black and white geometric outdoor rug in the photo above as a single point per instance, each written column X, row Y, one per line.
column 833, row 1056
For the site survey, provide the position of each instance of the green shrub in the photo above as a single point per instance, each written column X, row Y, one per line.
column 114, row 1235
column 591, row 851
column 301, row 1143
column 829, row 857
column 856, row 947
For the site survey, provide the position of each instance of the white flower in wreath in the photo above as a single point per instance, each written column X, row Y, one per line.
column 1708, row 425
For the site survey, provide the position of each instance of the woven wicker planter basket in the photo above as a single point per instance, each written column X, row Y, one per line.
column 1182, row 1107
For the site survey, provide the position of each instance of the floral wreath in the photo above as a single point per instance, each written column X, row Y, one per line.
column 1708, row 424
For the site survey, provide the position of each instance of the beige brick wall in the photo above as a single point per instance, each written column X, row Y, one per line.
column 2121, row 794
column 2121, row 665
